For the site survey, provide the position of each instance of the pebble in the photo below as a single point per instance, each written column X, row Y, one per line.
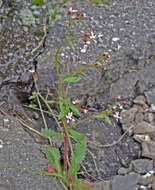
column 126, row 182
column 153, row 185
column 142, row 166
column 144, row 128
column 150, row 96
column 139, row 100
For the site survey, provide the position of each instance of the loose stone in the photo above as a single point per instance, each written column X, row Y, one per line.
column 142, row 166
column 126, row 182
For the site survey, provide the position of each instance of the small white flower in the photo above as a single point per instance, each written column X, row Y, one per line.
column 85, row 110
column 115, row 39
column 100, row 35
column 76, row 101
column 31, row 70
column 92, row 36
column 83, row 50
column 69, row 117
column 71, row 10
column 117, row 116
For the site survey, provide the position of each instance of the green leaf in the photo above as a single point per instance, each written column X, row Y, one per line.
column 147, row 62
column 76, row 135
column 74, row 109
column 50, row 101
column 83, row 187
column 80, row 151
column 62, row 115
column 67, row 100
column 50, row 133
column 63, row 109
column 53, row 15
column 32, row 105
column 72, row 79
column 38, row 2
column 104, row 116
column 32, row 96
column 53, row 156
column 74, row 167
column 72, row 45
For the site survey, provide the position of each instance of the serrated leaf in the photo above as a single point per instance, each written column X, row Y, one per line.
column 50, row 133
column 53, row 156
column 72, row 79
column 76, row 135
column 62, row 114
column 74, row 167
column 72, row 45
column 32, row 96
column 32, row 105
column 74, row 109
column 38, row 2
column 80, row 151
column 104, row 116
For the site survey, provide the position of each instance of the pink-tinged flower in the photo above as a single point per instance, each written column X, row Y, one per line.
column 103, row 68
column 35, row 75
column 122, row 102
column 85, row 37
column 106, row 55
column 83, row 110
column 79, row 58
column 77, row 16
column 80, row 15
column 83, row 14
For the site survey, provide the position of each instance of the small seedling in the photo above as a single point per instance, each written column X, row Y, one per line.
column 38, row 2
column 147, row 62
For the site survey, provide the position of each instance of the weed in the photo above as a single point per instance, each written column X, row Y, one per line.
column 68, row 173
column 74, row 143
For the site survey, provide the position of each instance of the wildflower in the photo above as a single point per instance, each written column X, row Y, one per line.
column 80, row 15
column 77, row 16
column 85, row 37
column 122, row 102
column 71, row 11
column 34, row 74
column 103, row 68
column 117, row 116
column 106, row 55
column 115, row 39
column 77, row 101
column 79, row 58
column 69, row 117
column 83, row 110
column 92, row 36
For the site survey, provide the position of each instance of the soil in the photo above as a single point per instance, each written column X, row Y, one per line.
column 125, row 29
